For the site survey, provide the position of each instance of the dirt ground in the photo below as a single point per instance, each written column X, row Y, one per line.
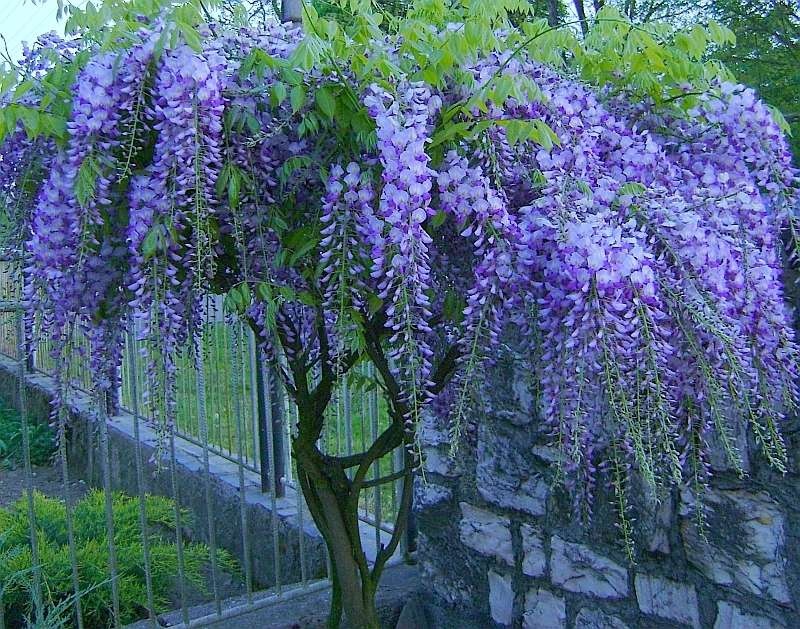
column 45, row 479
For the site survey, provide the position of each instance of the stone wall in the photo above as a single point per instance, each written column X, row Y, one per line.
column 499, row 546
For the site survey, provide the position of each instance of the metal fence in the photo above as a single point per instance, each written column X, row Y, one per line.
column 228, row 409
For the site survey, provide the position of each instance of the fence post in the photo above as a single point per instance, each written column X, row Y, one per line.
column 270, row 410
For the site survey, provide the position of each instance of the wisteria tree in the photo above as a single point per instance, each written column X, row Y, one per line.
column 395, row 193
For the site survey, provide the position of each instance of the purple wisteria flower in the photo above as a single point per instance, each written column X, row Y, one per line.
column 638, row 248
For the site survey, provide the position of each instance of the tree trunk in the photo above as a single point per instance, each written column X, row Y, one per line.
column 292, row 10
column 581, row 11
column 552, row 12
column 329, row 500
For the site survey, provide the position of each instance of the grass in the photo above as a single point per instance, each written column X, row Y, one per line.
column 92, row 551
column 41, row 436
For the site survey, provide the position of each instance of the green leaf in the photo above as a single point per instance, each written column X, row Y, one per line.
column 450, row 132
column 291, row 76
column 56, row 126
column 191, row 36
column 720, row 34
column 224, row 177
column 287, row 292
column 234, row 187
column 264, row 291
column 302, row 251
column 153, row 242
column 297, row 98
column 304, row 297
column 780, row 120
column 632, row 188
column 291, row 166
column 278, row 93
column 238, row 298
column 547, row 137
column 31, row 121
column 86, row 181
column 438, row 219
column 23, row 88
column 326, row 102
column 454, row 307
column 374, row 303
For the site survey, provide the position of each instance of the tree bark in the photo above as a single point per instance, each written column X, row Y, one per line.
column 552, row 12
column 335, row 513
column 332, row 495
column 292, row 10
column 581, row 11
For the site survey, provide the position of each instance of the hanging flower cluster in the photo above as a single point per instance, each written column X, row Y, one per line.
column 346, row 209
column 642, row 247
column 400, row 251
column 481, row 214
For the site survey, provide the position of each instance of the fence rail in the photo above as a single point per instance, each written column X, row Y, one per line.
column 229, row 407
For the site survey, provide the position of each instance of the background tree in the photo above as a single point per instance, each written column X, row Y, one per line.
column 767, row 52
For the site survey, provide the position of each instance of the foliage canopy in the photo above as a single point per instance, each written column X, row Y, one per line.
column 395, row 191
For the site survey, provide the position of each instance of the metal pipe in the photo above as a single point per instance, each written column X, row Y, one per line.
column 236, row 376
column 134, row 397
column 209, row 495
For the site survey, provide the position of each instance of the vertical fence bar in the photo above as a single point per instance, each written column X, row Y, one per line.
column 209, row 496
column 237, row 377
column 22, row 394
column 292, row 419
column 376, row 472
column 347, row 412
column 262, row 420
column 176, row 495
column 269, row 404
column 278, row 429
column 133, row 391
column 68, row 506
column 288, row 423
column 270, row 427
column 397, row 465
column 252, row 351
column 301, row 536
column 105, row 453
column 362, row 417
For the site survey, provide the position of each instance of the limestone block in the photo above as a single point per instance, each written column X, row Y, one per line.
column 543, row 610
column 486, row 532
column 745, row 546
column 534, row 560
column 667, row 599
column 505, row 477
column 595, row 619
column 429, row 494
column 501, row 598
column 577, row 568
column 731, row 617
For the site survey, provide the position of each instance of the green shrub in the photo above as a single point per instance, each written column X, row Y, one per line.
column 42, row 440
column 91, row 542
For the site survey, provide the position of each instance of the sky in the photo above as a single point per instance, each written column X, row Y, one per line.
column 24, row 20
